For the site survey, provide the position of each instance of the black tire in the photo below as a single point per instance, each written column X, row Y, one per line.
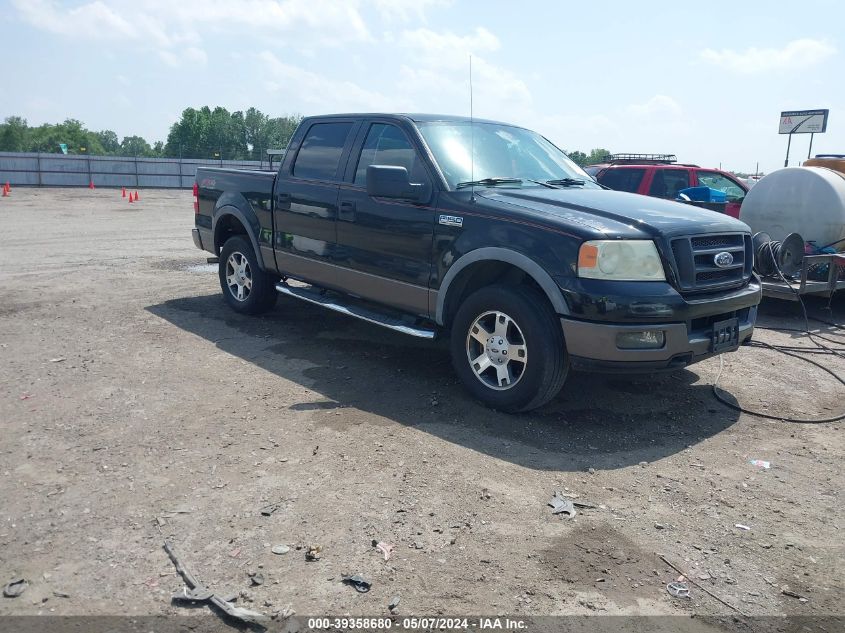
column 261, row 295
column 528, row 316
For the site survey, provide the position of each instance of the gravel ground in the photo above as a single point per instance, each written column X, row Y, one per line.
column 135, row 406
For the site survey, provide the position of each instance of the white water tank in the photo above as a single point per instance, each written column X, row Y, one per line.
column 809, row 201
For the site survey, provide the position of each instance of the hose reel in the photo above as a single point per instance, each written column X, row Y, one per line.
column 770, row 255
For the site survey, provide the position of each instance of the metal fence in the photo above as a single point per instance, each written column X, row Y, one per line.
column 60, row 170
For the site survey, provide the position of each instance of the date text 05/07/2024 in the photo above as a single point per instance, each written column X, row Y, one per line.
column 416, row 623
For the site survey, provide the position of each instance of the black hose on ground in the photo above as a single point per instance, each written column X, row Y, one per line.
column 769, row 416
column 795, row 353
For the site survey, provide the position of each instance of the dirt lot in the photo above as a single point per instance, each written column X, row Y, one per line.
column 135, row 406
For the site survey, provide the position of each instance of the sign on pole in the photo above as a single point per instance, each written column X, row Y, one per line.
column 803, row 122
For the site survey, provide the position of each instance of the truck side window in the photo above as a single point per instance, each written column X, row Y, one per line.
column 388, row 145
column 622, row 179
column 722, row 183
column 668, row 182
column 321, row 149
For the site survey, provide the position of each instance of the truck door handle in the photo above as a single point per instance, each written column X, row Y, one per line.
column 282, row 198
column 346, row 211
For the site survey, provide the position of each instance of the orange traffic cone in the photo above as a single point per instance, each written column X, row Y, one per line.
column 5, row 192
column 130, row 198
column 123, row 193
column 8, row 187
column 136, row 196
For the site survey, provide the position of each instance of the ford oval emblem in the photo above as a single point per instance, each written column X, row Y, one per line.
column 723, row 259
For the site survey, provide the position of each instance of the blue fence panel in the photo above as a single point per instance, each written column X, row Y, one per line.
column 21, row 168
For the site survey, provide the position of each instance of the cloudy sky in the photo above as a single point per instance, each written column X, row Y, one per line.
column 703, row 80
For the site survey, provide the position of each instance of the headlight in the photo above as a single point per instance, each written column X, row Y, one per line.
column 620, row 260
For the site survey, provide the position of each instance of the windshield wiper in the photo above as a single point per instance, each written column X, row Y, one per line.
column 488, row 182
column 566, row 182
column 540, row 182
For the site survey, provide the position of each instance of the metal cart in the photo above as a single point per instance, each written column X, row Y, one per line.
column 775, row 287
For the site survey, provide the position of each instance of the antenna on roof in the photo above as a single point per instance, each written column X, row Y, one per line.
column 471, row 137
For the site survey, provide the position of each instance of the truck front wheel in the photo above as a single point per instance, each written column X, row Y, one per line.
column 507, row 347
column 246, row 288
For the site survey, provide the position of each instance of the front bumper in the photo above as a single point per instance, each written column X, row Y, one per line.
column 591, row 329
column 593, row 346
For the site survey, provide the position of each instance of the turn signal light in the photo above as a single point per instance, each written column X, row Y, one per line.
column 588, row 256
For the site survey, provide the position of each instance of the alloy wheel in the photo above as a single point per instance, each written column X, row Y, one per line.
column 496, row 350
column 238, row 276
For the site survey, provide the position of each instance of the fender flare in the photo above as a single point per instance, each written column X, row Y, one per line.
column 498, row 254
column 249, row 225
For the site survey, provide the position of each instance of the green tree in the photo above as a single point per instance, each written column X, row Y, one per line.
column 108, row 140
column 135, row 146
column 579, row 158
column 597, row 156
column 256, row 131
column 207, row 133
column 14, row 133
column 79, row 140
column 282, row 130
column 186, row 135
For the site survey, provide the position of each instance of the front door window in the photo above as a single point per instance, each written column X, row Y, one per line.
column 717, row 181
column 388, row 145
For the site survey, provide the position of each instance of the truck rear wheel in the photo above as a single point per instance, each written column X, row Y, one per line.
column 507, row 347
column 246, row 288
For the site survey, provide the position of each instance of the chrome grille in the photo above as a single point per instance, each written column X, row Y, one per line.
column 695, row 264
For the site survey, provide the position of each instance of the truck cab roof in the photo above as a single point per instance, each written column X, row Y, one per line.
column 406, row 116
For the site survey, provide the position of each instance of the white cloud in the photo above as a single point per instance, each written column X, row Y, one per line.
column 447, row 48
column 194, row 55
column 658, row 106
column 797, row 54
column 436, row 70
column 190, row 56
column 165, row 25
column 407, row 10
column 92, row 20
column 322, row 93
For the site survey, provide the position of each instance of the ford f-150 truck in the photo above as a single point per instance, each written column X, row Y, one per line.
column 489, row 234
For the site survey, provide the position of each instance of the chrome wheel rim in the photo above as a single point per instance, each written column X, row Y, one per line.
column 496, row 350
column 238, row 276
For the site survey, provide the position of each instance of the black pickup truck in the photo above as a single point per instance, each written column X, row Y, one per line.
column 486, row 232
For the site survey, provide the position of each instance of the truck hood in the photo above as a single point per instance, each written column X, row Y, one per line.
column 616, row 213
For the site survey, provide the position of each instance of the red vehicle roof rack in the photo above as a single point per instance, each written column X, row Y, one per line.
column 656, row 159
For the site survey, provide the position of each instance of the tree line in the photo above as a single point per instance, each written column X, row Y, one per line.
column 199, row 133
column 595, row 156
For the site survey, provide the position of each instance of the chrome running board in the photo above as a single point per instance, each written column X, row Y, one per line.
column 359, row 312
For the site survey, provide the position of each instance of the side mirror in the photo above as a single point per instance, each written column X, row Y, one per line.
column 389, row 181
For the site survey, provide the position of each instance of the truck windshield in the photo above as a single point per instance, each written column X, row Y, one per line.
column 501, row 152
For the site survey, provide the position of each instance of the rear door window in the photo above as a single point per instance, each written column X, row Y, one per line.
column 322, row 147
column 668, row 182
column 622, row 179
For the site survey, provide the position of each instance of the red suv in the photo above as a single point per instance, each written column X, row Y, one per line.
column 659, row 175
